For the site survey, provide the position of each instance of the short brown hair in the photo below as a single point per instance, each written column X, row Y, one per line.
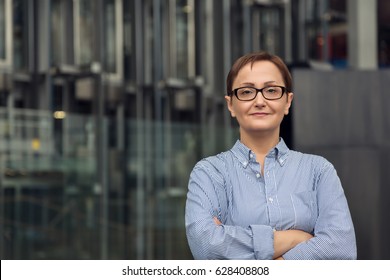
column 252, row 58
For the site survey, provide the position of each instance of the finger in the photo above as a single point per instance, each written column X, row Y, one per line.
column 216, row 221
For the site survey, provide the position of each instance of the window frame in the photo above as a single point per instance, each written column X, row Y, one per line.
column 6, row 61
column 117, row 76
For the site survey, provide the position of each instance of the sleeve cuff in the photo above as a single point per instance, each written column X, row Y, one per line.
column 263, row 242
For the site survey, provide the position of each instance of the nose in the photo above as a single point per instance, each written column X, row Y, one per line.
column 259, row 100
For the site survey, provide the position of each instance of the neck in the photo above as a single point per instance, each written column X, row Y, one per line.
column 260, row 142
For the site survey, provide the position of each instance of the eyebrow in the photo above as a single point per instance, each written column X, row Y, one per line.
column 270, row 82
column 252, row 84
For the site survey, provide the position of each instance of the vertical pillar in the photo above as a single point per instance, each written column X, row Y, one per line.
column 101, row 132
column 140, row 99
column 362, row 34
column 227, row 64
column 43, row 54
column 247, row 22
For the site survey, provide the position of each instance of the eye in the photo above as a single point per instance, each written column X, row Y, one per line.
column 272, row 90
column 246, row 91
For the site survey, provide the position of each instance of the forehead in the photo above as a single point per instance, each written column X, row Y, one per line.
column 259, row 72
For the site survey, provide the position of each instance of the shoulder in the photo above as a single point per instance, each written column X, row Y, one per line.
column 215, row 166
column 310, row 158
column 316, row 168
column 315, row 162
column 217, row 162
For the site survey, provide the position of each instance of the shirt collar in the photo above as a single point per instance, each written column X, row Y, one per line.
column 245, row 155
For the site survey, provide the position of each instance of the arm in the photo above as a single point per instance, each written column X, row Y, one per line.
column 334, row 236
column 206, row 199
column 207, row 205
column 284, row 240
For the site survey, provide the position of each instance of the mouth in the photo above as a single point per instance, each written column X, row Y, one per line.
column 259, row 114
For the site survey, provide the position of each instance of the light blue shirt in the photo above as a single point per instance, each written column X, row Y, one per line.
column 297, row 191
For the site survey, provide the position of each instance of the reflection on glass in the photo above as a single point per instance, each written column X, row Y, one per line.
column 110, row 34
column 53, row 206
column 127, row 42
column 182, row 12
column 270, row 30
column 314, row 36
column 86, row 30
column 20, row 35
column 2, row 29
column 56, row 31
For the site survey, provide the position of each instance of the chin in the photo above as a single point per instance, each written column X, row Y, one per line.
column 261, row 129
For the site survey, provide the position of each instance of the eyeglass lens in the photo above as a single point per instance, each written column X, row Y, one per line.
column 249, row 93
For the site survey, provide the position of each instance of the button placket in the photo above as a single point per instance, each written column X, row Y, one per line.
column 270, row 191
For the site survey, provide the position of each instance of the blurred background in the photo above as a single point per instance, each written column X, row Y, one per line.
column 106, row 105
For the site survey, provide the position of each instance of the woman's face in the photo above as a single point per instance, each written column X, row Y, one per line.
column 259, row 115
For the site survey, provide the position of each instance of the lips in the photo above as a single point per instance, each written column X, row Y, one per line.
column 259, row 114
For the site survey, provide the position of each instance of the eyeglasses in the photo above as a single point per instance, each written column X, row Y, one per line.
column 250, row 93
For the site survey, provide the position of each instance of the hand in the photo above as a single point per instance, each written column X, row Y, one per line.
column 302, row 236
column 216, row 221
column 285, row 240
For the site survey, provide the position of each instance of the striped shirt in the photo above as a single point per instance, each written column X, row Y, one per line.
column 297, row 191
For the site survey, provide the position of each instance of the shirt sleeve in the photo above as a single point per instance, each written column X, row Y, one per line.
column 334, row 235
column 207, row 198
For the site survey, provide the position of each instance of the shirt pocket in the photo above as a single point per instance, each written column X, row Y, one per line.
column 305, row 210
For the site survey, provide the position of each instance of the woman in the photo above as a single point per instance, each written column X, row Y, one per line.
column 260, row 200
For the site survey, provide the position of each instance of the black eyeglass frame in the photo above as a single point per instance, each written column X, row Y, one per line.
column 284, row 90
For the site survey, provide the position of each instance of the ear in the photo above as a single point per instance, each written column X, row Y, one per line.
column 290, row 97
column 230, row 105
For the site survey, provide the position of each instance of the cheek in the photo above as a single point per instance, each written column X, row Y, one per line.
column 240, row 110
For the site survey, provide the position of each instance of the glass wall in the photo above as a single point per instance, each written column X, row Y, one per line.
column 52, row 206
column 98, row 137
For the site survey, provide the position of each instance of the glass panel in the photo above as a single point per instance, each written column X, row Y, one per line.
column 20, row 35
column 50, row 200
column 85, row 30
column 182, row 14
column 184, row 38
column 271, row 30
column 128, row 43
column 52, row 207
column 2, row 30
column 163, row 186
column 312, row 27
column 57, row 36
column 110, row 33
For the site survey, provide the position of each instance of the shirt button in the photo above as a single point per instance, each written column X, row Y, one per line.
column 251, row 156
column 258, row 175
column 271, row 199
